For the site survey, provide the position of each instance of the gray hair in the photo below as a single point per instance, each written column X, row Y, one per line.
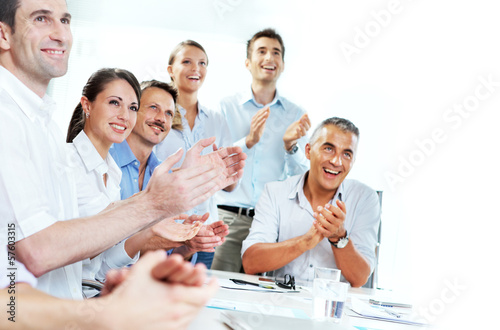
column 341, row 123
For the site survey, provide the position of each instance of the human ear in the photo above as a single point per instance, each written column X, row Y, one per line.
column 170, row 72
column 5, row 32
column 84, row 101
column 308, row 151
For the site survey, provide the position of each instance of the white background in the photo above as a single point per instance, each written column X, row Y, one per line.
column 412, row 64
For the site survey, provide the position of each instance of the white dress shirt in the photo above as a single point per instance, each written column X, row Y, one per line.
column 36, row 187
column 13, row 273
column 207, row 123
column 94, row 196
column 283, row 212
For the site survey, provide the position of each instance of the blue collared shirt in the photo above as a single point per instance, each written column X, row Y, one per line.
column 126, row 160
column 267, row 161
column 128, row 163
column 283, row 212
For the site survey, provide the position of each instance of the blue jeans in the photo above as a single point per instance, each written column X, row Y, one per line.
column 205, row 258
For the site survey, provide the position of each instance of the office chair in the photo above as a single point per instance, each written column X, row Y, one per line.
column 372, row 282
column 90, row 284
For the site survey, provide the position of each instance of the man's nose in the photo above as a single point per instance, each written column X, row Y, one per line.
column 161, row 117
column 336, row 160
column 60, row 32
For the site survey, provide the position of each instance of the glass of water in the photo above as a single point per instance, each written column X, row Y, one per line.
column 329, row 297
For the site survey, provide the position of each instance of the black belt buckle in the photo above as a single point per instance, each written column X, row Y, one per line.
column 249, row 212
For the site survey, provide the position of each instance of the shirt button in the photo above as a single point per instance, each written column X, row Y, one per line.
column 311, row 266
column 136, row 163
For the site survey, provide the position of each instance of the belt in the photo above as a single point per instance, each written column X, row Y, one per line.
column 250, row 212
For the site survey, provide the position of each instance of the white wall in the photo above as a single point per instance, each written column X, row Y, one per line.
column 413, row 82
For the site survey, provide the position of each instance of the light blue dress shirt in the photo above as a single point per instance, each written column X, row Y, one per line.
column 283, row 212
column 207, row 123
column 267, row 161
column 128, row 163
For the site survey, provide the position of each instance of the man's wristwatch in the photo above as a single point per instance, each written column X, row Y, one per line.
column 342, row 242
column 293, row 149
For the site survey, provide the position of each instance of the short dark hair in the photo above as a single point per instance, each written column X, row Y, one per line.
column 94, row 86
column 344, row 125
column 266, row 33
column 8, row 9
column 169, row 88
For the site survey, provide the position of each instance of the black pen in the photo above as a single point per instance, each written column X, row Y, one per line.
column 243, row 282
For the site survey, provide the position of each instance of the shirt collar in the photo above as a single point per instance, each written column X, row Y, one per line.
column 123, row 155
column 247, row 96
column 202, row 111
column 31, row 104
column 89, row 155
column 153, row 161
column 298, row 191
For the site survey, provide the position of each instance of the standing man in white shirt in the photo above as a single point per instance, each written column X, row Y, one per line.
column 317, row 219
column 270, row 130
column 37, row 192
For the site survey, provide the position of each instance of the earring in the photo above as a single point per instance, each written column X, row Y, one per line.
column 87, row 115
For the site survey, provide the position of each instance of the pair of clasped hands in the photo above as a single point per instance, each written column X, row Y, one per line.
column 328, row 223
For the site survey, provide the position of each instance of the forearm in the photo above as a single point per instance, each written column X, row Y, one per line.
column 42, row 311
column 185, row 252
column 353, row 265
column 159, row 243
column 84, row 237
column 265, row 257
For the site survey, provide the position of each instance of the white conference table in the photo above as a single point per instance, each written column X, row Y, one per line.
column 272, row 303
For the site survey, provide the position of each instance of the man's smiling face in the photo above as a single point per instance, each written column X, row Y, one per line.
column 332, row 156
column 266, row 60
column 155, row 115
column 41, row 42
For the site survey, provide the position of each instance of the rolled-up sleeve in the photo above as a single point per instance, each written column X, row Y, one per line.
column 364, row 228
column 265, row 224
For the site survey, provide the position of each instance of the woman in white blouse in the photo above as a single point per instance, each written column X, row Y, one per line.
column 106, row 114
column 187, row 68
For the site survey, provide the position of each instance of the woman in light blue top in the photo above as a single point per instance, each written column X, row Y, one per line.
column 187, row 68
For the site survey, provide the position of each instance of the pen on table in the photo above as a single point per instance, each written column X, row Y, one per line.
column 243, row 282
column 392, row 313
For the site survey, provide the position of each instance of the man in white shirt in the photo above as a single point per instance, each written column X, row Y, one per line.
column 37, row 192
column 175, row 294
column 317, row 219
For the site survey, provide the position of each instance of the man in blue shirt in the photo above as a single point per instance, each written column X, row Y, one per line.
column 270, row 130
column 137, row 161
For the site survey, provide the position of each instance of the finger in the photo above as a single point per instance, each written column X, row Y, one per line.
column 341, row 205
column 164, row 269
column 303, row 130
column 264, row 110
column 258, row 123
column 320, row 229
column 167, row 164
column 181, row 217
column 203, row 143
column 188, row 275
column 214, row 147
column 336, row 211
column 234, row 159
column 227, row 151
column 306, row 121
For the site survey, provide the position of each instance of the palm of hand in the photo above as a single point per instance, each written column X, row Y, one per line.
column 176, row 232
